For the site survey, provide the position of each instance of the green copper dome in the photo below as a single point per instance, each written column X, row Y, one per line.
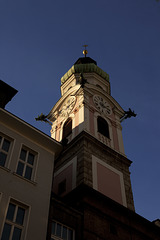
column 85, row 65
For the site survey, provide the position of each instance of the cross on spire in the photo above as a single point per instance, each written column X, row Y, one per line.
column 85, row 50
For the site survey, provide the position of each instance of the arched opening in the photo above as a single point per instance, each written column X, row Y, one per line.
column 67, row 128
column 103, row 127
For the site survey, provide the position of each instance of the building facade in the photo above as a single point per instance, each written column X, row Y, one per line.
column 26, row 168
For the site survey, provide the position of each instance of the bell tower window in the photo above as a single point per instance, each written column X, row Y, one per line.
column 67, row 128
column 103, row 126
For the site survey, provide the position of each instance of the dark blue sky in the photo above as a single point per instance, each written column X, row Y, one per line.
column 41, row 39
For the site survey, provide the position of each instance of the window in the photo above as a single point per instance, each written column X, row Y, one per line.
column 60, row 231
column 26, row 163
column 67, row 128
column 14, row 223
column 103, row 127
column 4, row 150
column 62, row 187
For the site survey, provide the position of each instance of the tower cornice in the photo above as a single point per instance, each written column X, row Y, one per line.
column 85, row 68
column 92, row 141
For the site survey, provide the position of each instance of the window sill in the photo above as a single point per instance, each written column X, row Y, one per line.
column 5, row 169
column 104, row 140
column 25, row 179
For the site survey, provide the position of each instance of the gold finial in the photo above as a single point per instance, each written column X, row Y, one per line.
column 85, row 50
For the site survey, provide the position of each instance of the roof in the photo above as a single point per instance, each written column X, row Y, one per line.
column 86, row 196
column 30, row 132
column 6, row 93
column 85, row 60
column 85, row 65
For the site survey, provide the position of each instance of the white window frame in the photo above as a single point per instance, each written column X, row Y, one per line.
column 13, row 223
column 55, row 237
column 6, row 165
column 28, row 150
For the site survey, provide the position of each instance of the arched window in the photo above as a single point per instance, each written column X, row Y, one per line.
column 67, row 128
column 103, row 127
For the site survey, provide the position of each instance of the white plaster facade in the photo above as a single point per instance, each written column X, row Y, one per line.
column 32, row 195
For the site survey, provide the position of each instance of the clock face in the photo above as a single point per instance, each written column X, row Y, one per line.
column 67, row 106
column 102, row 105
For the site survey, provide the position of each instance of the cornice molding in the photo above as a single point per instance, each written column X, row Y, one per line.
column 92, row 141
column 84, row 68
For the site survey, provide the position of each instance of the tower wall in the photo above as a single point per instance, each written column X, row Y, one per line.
column 83, row 155
column 86, row 119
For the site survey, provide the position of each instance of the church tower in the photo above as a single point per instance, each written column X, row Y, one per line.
column 86, row 119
